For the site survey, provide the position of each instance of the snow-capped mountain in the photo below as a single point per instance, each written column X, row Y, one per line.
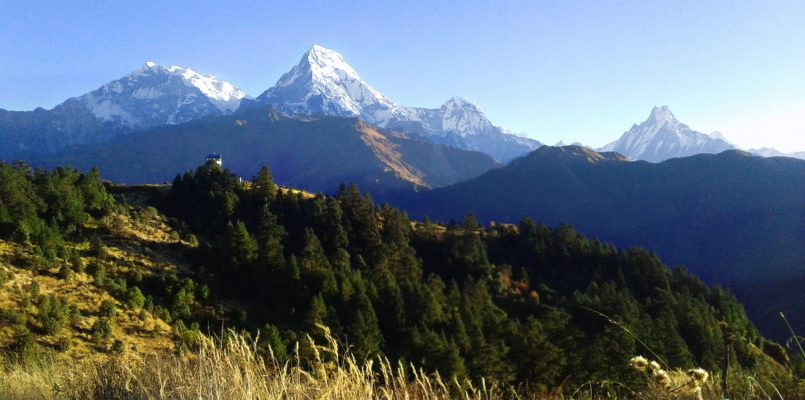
column 323, row 83
column 148, row 97
column 156, row 95
column 662, row 136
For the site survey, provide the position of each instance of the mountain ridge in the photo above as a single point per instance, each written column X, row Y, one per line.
column 324, row 83
column 315, row 153
column 150, row 96
column 661, row 136
column 631, row 196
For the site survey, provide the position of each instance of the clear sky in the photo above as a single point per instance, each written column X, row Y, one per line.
column 571, row 70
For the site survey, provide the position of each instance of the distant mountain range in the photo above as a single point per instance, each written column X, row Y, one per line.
column 312, row 153
column 149, row 97
column 662, row 137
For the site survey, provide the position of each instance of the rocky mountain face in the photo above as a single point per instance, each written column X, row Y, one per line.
column 324, row 83
column 662, row 136
column 148, row 97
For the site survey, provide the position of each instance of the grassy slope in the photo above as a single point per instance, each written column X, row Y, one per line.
column 141, row 247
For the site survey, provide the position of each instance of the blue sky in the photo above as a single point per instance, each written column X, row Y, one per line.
column 571, row 70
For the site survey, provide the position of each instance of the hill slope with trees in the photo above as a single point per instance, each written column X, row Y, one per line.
column 730, row 218
column 521, row 305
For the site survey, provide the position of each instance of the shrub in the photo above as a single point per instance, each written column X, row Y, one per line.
column 33, row 289
column 107, row 309
column 135, row 298
column 98, row 272
column 53, row 312
column 96, row 247
column 101, row 331
column 77, row 262
column 117, row 346
column 65, row 272
column 13, row 316
column 62, row 344
column 5, row 276
column 24, row 349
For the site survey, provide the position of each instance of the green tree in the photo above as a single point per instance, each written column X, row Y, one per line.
column 241, row 248
column 263, row 188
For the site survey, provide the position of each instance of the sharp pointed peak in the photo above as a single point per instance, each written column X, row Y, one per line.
column 316, row 48
column 460, row 102
column 662, row 114
column 321, row 55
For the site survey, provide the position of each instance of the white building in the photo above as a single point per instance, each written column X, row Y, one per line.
column 216, row 158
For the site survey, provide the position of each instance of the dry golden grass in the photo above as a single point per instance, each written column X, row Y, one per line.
column 386, row 151
column 137, row 329
column 234, row 369
column 125, row 239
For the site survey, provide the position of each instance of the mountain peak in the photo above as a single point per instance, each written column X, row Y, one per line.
column 317, row 52
column 324, row 83
column 662, row 136
column 458, row 102
column 328, row 63
column 155, row 95
column 662, row 114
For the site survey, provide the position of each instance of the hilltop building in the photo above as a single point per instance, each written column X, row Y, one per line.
column 216, row 158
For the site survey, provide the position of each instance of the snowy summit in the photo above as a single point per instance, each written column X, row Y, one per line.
column 662, row 136
column 324, row 83
column 155, row 95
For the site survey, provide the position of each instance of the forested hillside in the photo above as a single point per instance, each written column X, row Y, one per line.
column 537, row 307
column 730, row 218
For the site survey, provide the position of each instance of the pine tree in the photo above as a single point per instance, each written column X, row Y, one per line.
column 269, row 241
column 317, row 274
column 241, row 247
column 361, row 224
column 263, row 187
